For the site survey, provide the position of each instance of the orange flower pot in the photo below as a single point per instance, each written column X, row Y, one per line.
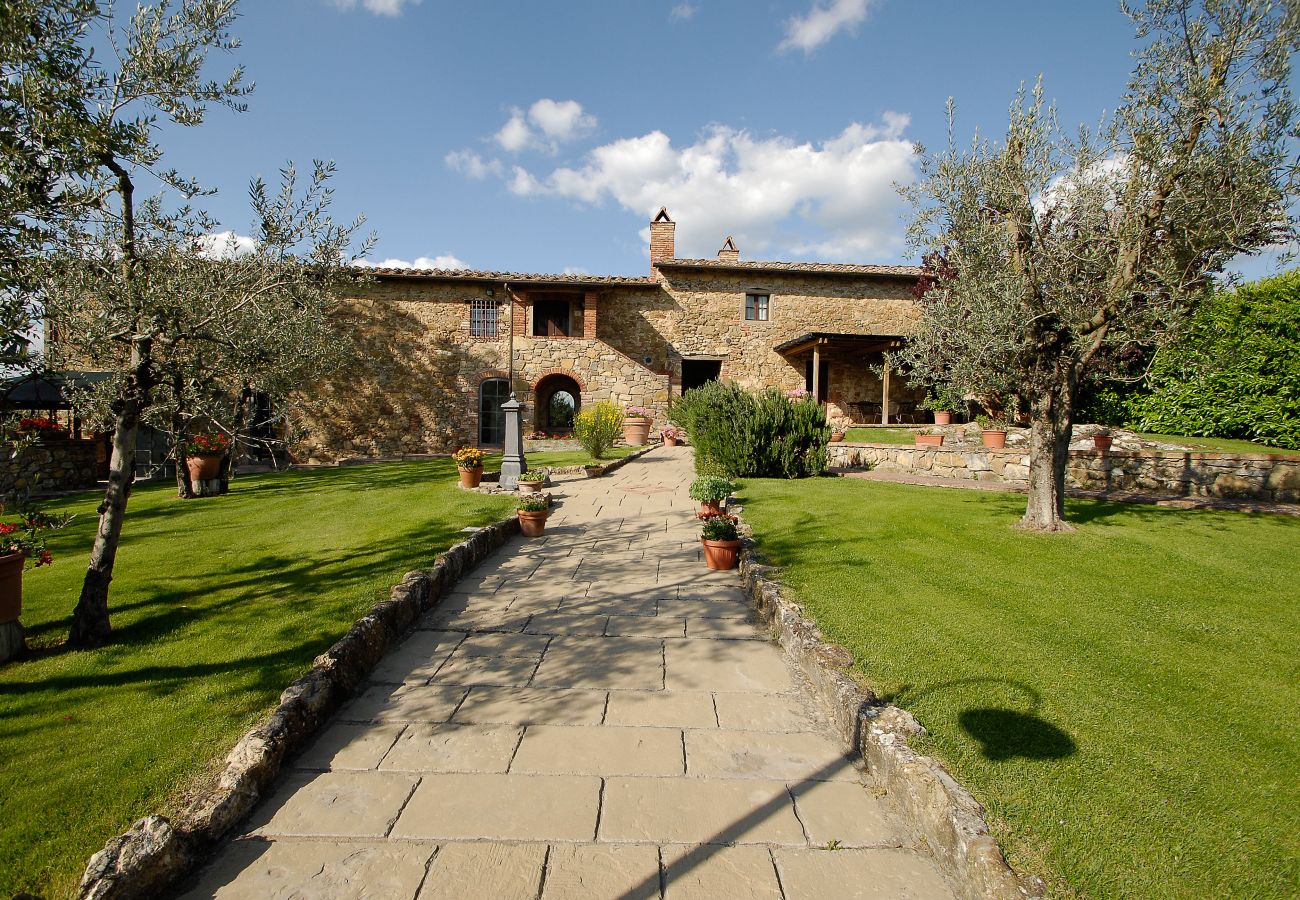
column 721, row 555
column 532, row 524
column 636, row 431
column 203, row 468
column 929, row 440
column 994, row 440
column 470, row 478
column 11, row 586
column 1102, row 442
column 942, row 417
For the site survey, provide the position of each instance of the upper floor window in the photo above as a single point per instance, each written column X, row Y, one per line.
column 756, row 307
column 484, row 318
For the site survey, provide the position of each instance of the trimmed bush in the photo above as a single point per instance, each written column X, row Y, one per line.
column 739, row 433
column 597, row 427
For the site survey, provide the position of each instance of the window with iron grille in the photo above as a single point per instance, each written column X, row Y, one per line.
column 484, row 316
column 756, row 307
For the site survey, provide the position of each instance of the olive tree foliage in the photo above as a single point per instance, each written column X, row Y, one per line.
column 1046, row 252
column 136, row 286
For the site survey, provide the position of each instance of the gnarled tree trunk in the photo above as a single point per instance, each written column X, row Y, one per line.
column 1049, row 451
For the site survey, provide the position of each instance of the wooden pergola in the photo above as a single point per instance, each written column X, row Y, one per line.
column 863, row 344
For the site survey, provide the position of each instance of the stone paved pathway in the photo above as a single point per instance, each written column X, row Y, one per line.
column 591, row 714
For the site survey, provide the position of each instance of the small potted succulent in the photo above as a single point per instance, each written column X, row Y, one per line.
column 1102, row 439
column 993, row 431
column 532, row 512
column 203, row 454
column 929, row 437
column 636, row 425
column 531, row 482
column 19, row 542
column 469, row 462
column 710, row 490
column 720, row 541
column 672, row 435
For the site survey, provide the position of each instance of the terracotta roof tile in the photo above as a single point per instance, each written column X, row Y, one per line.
column 802, row 267
column 520, row 277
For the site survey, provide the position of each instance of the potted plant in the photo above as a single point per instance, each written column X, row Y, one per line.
column 532, row 514
column 40, row 425
column 1102, row 439
column 469, row 462
column 593, row 471
column 944, row 400
column 671, row 435
column 993, row 432
column 720, row 541
column 839, row 428
column 203, row 452
column 710, row 490
column 597, row 428
column 531, row 482
column 21, row 541
column 636, row 425
column 927, row 437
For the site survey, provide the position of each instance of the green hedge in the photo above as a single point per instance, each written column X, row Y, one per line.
column 1235, row 373
column 739, row 433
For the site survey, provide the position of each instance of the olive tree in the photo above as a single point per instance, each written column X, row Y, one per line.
column 1046, row 252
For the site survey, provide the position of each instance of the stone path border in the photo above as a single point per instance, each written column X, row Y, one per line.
column 948, row 816
column 145, row 861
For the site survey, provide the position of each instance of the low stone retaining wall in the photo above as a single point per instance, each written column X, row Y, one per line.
column 150, row 858
column 50, row 465
column 948, row 817
column 1261, row 477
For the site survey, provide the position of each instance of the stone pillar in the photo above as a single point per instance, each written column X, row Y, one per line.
column 513, row 463
column 884, row 394
column 817, row 373
column 589, row 307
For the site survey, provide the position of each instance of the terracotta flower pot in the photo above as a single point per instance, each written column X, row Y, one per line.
column 942, row 417
column 532, row 524
column 470, row 478
column 929, row 440
column 1102, row 442
column 670, row 441
column 636, row 431
column 721, row 555
column 837, row 436
column 710, row 508
column 203, row 468
column 593, row 471
column 995, row 440
column 11, row 586
column 530, row 487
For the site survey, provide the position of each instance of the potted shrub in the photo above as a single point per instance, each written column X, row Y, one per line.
column 944, row 400
column 839, row 428
column 469, row 463
column 597, row 428
column 19, row 542
column 532, row 514
column 636, row 425
column 531, row 482
column 593, row 471
column 720, row 541
column 672, row 435
column 710, row 490
column 993, row 432
column 1102, row 439
column 203, row 454
column 926, row 437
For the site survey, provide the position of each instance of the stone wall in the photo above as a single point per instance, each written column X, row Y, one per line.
column 1228, row 476
column 52, row 464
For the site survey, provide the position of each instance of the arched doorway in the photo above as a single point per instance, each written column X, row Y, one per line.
column 491, row 420
column 558, row 399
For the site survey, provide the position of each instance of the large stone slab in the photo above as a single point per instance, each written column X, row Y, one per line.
column 453, row 748
column 502, row 807
column 646, row 626
column 602, row 872
column 759, row 754
column 350, row 746
column 532, row 706
column 499, row 871
column 418, row 657
column 611, row 662
column 501, row 671
column 698, row 811
column 709, row 872
column 404, row 703
column 566, row 750
column 313, row 870
column 725, row 666
column 763, row 712
column 845, row 812
column 334, row 804
column 666, row 709
column 859, row 875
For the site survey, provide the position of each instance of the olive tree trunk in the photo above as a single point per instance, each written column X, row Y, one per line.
column 1049, row 452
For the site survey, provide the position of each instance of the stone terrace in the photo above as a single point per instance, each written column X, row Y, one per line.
column 589, row 714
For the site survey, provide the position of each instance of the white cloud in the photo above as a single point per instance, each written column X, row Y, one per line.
column 547, row 124
column 445, row 261
column 226, row 245
column 826, row 19
column 470, row 164
column 831, row 200
column 683, row 12
column 574, row 270
column 389, row 8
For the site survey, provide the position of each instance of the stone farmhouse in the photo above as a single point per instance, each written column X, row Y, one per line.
column 438, row 345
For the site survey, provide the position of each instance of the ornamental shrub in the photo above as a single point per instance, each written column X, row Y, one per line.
column 765, row 434
column 597, row 427
column 1235, row 373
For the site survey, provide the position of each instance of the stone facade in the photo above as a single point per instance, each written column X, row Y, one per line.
column 52, row 464
column 1225, row 476
column 427, row 343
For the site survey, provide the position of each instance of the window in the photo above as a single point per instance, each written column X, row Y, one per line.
column 551, row 318
column 484, row 316
column 491, row 419
column 756, row 307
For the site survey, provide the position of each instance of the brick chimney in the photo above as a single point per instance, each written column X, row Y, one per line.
column 729, row 251
column 662, row 238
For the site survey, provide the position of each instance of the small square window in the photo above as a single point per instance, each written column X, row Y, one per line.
column 483, row 318
column 756, row 307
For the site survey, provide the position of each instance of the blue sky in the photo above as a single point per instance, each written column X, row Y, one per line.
column 541, row 136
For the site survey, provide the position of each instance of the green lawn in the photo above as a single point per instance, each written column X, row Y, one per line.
column 882, row 435
column 1125, row 700
column 217, row 605
column 556, row 458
